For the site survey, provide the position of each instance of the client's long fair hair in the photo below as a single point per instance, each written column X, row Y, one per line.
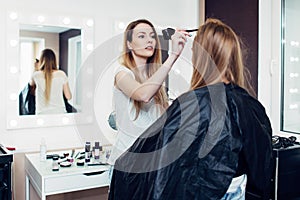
column 48, row 65
column 153, row 63
column 216, row 54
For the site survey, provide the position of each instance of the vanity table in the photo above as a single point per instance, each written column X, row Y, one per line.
column 68, row 179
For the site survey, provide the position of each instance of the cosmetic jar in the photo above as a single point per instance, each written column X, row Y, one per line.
column 87, row 152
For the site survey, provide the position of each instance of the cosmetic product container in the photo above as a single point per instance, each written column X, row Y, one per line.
column 65, row 164
column 65, row 155
column 97, row 151
column 87, row 152
column 43, row 150
column 55, row 165
column 107, row 154
column 80, row 163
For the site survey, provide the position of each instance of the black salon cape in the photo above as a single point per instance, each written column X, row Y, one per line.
column 192, row 151
column 27, row 102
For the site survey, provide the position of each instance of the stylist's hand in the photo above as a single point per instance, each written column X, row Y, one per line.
column 179, row 38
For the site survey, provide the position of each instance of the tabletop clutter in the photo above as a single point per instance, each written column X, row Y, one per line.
column 91, row 155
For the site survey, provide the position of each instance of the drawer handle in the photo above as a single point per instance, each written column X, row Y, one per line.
column 93, row 173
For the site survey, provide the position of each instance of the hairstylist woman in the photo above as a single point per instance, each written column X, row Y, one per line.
column 139, row 96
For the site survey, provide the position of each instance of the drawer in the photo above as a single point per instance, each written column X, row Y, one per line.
column 69, row 183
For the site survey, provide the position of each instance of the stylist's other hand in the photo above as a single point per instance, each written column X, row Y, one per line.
column 179, row 38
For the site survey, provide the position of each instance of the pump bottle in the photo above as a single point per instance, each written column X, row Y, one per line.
column 43, row 150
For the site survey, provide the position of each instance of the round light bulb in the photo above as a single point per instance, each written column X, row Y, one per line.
column 90, row 47
column 41, row 18
column 13, row 123
column 65, row 120
column 13, row 15
column 13, row 43
column 13, row 69
column 40, row 122
column 66, row 20
column 90, row 22
column 13, row 96
column 121, row 25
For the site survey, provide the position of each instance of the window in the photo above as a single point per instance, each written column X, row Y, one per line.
column 74, row 63
column 30, row 49
column 290, row 66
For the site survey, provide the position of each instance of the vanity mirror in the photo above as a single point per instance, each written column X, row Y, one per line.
column 71, row 38
column 65, row 43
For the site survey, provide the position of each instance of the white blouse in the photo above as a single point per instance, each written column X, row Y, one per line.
column 129, row 128
column 56, row 103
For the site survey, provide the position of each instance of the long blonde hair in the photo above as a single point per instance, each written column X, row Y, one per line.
column 48, row 65
column 217, row 53
column 153, row 63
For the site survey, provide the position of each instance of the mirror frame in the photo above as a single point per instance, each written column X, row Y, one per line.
column 13, row 21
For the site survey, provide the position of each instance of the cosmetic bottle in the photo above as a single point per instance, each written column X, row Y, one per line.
column 97, row 152
column 43, row 150
column 87, row 152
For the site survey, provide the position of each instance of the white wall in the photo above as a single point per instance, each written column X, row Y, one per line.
column 264, row 55
column 106, row 14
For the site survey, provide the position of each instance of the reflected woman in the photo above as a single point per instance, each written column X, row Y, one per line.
column 51, row 84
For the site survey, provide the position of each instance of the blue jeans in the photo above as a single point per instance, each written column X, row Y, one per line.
column 238, row 193
column 110, row 173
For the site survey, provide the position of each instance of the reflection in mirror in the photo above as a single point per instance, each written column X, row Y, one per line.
column 24, row 34
column 66, row 44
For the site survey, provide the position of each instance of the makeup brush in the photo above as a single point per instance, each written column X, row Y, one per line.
column 168, row 32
